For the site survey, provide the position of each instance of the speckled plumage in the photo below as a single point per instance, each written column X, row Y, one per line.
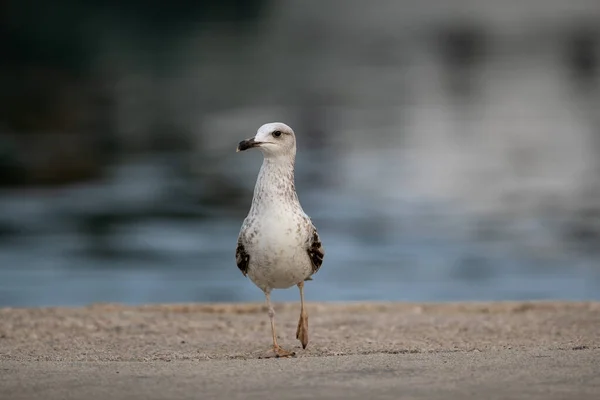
column 276, row 245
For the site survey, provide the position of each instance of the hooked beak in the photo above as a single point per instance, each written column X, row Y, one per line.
column 247, row 144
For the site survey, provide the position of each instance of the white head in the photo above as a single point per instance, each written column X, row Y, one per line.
column 275, row 140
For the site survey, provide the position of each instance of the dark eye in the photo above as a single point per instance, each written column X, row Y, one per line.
column 277, row 133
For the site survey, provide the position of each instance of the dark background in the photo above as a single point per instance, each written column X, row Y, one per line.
column 448, row 150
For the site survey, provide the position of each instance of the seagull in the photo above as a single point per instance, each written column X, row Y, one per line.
column 278, row 246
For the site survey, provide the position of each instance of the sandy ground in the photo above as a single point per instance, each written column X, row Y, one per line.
column 545, row 350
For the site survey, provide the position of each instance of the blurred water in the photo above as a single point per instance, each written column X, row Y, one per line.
column 446, row 152
column 114, row 242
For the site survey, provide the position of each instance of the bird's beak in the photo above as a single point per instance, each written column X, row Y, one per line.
column 247, row 144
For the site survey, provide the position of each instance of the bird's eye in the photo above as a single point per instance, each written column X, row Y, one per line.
column 277, row 133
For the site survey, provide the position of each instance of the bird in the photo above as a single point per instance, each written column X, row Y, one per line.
column 278, row 245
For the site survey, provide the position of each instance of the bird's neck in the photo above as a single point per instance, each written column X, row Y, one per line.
column 275, row 184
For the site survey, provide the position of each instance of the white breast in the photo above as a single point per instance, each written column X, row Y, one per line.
column 278, row 252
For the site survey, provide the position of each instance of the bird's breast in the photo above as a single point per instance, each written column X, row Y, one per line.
column 277, row 235
column 277, row 249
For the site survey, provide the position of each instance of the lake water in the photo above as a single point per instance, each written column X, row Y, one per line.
column 459, row 159
column 123, row 240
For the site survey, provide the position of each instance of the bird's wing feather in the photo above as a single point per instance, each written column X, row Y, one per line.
column 242, row 259
column 315, row 249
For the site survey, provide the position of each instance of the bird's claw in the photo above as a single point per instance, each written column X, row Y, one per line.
column 277, row 352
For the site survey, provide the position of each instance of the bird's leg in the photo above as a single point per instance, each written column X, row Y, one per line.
column 302, row 331
column 276, row 351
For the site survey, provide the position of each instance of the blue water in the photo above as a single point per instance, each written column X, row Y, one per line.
column 48, row 257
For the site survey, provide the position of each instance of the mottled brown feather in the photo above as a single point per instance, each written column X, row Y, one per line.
column 316, row 251
column 242, row 259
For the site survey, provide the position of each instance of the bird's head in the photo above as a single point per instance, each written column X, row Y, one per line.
column 274, row 139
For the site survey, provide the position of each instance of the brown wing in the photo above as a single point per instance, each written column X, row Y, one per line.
column 242, row 259
column 316, row 252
